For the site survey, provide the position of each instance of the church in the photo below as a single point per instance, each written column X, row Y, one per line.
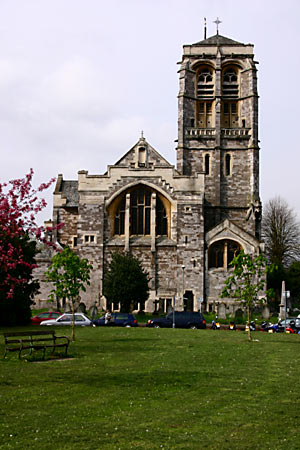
column 185, row 223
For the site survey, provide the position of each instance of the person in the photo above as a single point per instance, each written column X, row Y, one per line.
column 107, row 317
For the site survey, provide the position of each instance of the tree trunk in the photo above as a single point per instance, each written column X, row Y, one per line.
column 249, row 330
column 73, row 320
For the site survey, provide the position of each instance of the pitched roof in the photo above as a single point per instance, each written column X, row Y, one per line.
column 217, row 39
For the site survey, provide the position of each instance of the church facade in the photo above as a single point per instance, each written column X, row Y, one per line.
column 184, row 223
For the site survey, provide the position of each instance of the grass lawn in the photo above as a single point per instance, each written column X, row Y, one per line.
column 155, row 389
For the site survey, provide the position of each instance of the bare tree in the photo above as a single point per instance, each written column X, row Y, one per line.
column 280, row 232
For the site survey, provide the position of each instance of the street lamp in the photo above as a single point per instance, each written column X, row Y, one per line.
column 183, row 267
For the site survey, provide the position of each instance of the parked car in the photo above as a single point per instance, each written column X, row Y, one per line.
column 291, row 322
column 36, row 320
column 66, row 319
column 117, row 320
column 183, row 319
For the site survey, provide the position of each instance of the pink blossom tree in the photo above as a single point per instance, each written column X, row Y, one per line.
column 19, row 205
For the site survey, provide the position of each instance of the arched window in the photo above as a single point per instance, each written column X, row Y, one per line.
column 204, row 92
column 221, row 253
column 141, row 205
column 205, row 85
column 230, row 92
column 230, row 85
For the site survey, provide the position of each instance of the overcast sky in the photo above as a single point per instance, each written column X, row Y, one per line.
column 80, row 79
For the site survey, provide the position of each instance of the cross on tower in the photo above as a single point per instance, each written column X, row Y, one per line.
column 217, row 22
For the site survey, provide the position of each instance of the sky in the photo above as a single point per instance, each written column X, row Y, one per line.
column 80, row 79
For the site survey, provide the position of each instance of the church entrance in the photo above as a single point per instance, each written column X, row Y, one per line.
column 188, row 301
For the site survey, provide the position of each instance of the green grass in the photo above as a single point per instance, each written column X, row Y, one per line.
column 155, row 389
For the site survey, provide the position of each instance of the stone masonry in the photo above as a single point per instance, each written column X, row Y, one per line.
column 185, row 224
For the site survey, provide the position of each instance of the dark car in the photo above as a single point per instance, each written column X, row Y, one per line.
column 117, row 320
column 183, row 319
column 291, row 322
column 36, row 320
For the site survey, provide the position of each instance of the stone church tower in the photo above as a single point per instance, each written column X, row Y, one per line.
column 218, row 128
column 186, row 223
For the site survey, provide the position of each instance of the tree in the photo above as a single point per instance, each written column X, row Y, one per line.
column 70, row 275
column 17, row 311
column 246, row 282
column 125, row 281
column 293, row 283
column 19, row 205
column 281, row 233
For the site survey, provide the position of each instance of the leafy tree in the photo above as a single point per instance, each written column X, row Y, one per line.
column 246, row 282
column 125, row 281
column 281, row 233
column 293, row 282
column 274, row 285
column 19, row 205
column 70, row 275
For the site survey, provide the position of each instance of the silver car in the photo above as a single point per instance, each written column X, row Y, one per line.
column 67, row 319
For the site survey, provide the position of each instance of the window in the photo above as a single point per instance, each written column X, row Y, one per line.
column 227, row 164
column 140, row 213
column 205, row 85
column 230, row 116
column 204, row 92
column 216, row 255
column 89, row 239
column 140, row 209
column 161, row 218
column 221, row 253
column 120, row 217
column 230, row 85
column 204, row 114
column 74, row 241
column 142, row 157
column 206, row 164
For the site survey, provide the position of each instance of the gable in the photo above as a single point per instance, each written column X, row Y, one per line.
column 228, row 230
column 142, row 155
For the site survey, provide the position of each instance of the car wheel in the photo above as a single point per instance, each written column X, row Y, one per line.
column 128, row 326
column 156, row 326
column 193, row 327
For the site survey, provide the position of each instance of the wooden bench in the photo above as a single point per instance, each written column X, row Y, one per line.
column 34, row 340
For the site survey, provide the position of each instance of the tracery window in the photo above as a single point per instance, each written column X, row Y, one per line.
column 140, row 213
column 230, row 86
column 230, row 92
column 205, row 93
column 221, row 253
column 205, row 85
